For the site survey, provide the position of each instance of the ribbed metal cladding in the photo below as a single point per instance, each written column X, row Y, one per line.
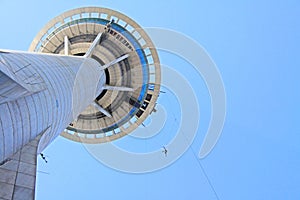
column 54, row 90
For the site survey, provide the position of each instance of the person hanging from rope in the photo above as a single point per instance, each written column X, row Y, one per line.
column 108, row 25
column 165, row 151
column 43, row 157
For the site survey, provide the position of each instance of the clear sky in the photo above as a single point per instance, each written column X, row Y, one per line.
column 255, row 45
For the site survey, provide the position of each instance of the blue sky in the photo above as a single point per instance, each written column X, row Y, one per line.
column 255, row 45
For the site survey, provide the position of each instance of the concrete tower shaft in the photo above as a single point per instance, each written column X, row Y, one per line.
column 43, row 92
column 93, row 76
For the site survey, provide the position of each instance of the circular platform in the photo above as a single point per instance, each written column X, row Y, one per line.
column 140, row 71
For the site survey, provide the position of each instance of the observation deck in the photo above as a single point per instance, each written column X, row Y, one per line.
column 130, row 61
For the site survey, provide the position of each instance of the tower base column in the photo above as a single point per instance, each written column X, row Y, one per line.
column 18, row 173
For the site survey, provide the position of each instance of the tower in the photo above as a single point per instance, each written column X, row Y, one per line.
column 91, row 74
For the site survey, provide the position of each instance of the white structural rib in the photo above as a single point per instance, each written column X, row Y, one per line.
column 90, row 51
column 118, row 88
column 115, row 61
column 67, row 46
column 102, row 110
